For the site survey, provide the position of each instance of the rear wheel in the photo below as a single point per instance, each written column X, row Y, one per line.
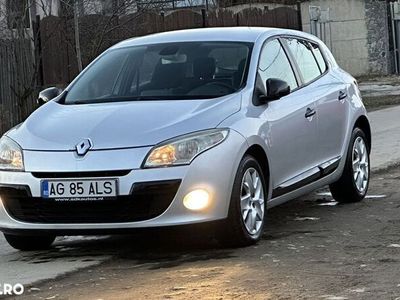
column 354, row 183
column 245, row 223
column 30, row 243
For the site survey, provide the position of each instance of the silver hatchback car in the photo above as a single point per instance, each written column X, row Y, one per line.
column 186, row 127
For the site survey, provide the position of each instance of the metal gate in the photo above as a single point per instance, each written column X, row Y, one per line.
column 320, row 24
column 395, row 17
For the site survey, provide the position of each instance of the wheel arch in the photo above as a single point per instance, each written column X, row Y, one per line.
column 259, row 153
column 363, row 123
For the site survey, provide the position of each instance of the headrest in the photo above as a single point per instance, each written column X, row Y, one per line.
column 204, row 68
column 168, row 75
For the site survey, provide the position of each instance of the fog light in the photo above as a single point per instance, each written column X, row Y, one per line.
column 196, row 200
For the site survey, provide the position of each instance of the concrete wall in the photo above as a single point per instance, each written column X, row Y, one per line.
column 348, row 38
column 358, row 34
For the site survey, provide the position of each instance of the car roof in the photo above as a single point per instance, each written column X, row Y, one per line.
column 237, row 34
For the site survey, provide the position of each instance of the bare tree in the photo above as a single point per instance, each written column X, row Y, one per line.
column 97, row 23
column 19, row 35
column 119, row 15
column 118, row 18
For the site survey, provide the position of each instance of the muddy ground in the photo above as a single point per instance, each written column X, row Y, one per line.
column 312, row 249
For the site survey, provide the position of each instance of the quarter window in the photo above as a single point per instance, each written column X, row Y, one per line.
column 319, row 57
column 304, row 57
column 275, row 64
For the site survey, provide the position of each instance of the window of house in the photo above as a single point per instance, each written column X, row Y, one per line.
column 304, row 57
column 274, row 63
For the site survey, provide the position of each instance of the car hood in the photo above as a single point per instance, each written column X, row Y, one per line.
column 56, row 127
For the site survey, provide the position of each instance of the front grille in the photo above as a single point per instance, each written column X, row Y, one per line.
column 146, row 201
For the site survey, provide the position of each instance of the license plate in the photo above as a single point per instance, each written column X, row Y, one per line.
column 79, row 190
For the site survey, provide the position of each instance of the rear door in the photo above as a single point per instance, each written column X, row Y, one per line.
column 332, row 108
column 329, row 95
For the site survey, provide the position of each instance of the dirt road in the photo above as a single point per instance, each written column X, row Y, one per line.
column 312, row 249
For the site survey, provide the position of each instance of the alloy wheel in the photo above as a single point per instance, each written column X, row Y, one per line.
column 252, row 201
column 360, row 165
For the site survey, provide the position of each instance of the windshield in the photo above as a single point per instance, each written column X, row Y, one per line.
column 190, row 70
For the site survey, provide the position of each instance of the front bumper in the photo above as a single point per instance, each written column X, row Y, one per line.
column 213, row 171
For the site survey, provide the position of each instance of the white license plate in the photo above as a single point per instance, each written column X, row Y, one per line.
column 79, row 190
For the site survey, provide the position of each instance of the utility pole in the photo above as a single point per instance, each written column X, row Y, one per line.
column 77, row 39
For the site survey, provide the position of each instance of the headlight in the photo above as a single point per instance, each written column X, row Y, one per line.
column 182, row 150
column 10, row 155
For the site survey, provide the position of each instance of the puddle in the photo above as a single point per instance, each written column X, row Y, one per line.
column 375, row 196
column 306, row 219
column 330, row 203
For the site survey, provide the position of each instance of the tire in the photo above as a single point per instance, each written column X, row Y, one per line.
column 235, row 231
column 29, row 243
column 354, row 182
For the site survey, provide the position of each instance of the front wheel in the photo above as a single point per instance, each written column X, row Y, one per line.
column 29, row 243
column 354, row 183
column 245, row 222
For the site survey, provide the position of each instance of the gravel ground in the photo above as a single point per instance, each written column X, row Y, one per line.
column 312, row 248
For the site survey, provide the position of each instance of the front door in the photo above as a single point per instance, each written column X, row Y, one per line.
column 291, row 122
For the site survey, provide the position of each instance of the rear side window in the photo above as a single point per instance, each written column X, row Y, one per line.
column 319, row 57
column 304, row 57
column 275, row 64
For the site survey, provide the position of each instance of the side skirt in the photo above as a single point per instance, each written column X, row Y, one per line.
column 307, row 177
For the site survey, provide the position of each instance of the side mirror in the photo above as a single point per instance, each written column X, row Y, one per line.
column 48, row 94
column 276, row 89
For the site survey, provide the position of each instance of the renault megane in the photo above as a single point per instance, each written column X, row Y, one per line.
column 186, row 127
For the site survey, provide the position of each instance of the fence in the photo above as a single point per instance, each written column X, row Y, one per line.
column 16, row 101
column 98, row 32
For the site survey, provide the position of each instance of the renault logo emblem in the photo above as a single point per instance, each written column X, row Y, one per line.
column 83, row 147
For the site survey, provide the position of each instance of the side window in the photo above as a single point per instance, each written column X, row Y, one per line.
column 275, row 64
column 304, row 57
column 320, row 58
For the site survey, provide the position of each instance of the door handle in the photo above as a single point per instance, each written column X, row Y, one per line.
column 342, row 95
column 310, row 112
